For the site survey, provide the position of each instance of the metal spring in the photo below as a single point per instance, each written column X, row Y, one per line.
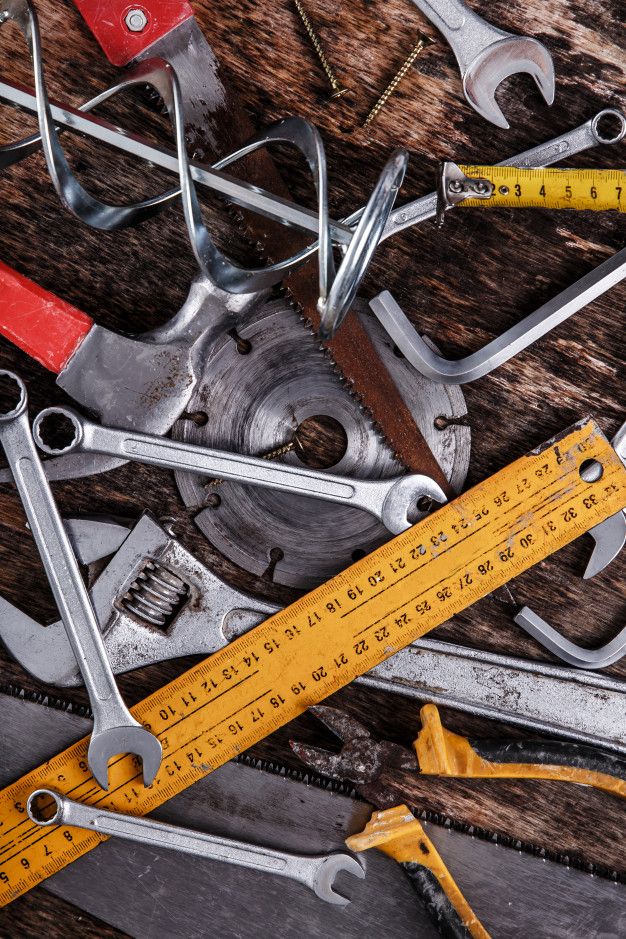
column 156, row 595
column 337, row 285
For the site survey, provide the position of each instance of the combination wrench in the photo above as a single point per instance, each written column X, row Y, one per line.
column 390, row 500
column 314, row 871
column 114, row 730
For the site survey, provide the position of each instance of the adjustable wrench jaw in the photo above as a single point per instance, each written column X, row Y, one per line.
column 205, row 615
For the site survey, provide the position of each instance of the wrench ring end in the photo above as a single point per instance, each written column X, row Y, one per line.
column 20, row 407
column 35, row 814
column 69, row 416
column 595, row 126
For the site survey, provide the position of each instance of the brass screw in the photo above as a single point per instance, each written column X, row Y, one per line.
column 272, row 455
column 338, row 90
column 421, row 44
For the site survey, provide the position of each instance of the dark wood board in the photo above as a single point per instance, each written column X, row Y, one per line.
column 463, row 285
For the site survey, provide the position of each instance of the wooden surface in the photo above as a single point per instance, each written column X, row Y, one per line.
column 463, row 286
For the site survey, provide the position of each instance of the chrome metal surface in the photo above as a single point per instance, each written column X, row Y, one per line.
column 568, row 651
column 609, row 536
column 317, row 872
column 392, row 501
column 257, row 404
column 550, row 699
column 487, row 55
column 114, row 730
column 210, row 614
column 584, row 137
column 437, row 368
column 516, row 894
column 455, row 187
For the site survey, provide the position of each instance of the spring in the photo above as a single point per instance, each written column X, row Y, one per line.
column 156, row 596
column 337, row 284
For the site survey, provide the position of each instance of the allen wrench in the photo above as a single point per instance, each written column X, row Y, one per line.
column 513, row 341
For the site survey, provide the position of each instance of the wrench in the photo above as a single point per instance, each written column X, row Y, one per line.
column 314, row 871
column 487, row 55
column 390, row 500
column 115, row 730
column 513, row 341
column 610, row 535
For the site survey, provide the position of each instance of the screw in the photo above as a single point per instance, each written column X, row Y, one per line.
column 503, row 190
column 136, row 21
column 338, row 90
column 421, row 44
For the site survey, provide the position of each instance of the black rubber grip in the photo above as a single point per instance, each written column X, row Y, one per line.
column 552, row 753
column 431, row 893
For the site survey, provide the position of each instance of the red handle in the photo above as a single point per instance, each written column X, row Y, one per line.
column 125, row 29
column 47, row 328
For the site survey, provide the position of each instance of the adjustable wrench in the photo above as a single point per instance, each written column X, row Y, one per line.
column 115, row 730
column 487, row 55
column 314, row 871
column 390, row 500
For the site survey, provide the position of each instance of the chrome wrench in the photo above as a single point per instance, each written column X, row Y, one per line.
column 115, row 730
column 390, row 500
column 487, row 55
column 314, row 871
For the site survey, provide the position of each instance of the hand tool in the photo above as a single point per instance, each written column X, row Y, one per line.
column 143, row 382
column 422, row 42
column 133, row 594
column 505, row 880
column 317, row 872
column 567, row 651
column 337, row 287
column 487, row 55
column 338, row 90
column 609, row 536
column 279, row 396
column 299, row 656
column 392, row 501
column 515, row 187
column 115, row 730
column 362, row 762
column 435, row 366
column 153, row 601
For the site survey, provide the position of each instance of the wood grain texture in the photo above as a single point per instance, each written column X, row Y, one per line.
column 462, row 286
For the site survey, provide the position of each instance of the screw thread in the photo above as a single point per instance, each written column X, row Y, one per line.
column 421, row 44
column 271, row 455
column 319, row 49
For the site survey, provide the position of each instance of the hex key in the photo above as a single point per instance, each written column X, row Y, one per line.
column 568, row 651
column 514, row 340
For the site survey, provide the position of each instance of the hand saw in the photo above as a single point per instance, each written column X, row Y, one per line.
column 215, row 125
column 515, row 890
column 301, row 655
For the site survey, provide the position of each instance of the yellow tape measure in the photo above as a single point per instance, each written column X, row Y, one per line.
column 306, row 652
column 552, row 188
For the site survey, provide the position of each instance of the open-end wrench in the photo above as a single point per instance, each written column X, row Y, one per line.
column 142, row 382
column 487, row 55
column 115, row 730
column 392, row 501
column 436, row 367
column 317, row 872
column 610, row 535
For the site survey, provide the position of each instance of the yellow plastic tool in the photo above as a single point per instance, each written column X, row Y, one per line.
column 299, row 656
column 551, row 188
column 398, row 834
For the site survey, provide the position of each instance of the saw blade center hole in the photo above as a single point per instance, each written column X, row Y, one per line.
column 320, row 441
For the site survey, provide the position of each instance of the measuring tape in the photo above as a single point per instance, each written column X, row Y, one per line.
column 317, row 645
column 598, row 190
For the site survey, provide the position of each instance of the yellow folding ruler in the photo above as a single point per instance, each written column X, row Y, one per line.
column 552, row 188
column 300, row 655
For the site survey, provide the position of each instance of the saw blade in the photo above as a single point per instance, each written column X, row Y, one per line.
column 148, row 893
column 255, row 403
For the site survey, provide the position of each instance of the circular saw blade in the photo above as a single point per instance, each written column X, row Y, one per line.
column 255, row 394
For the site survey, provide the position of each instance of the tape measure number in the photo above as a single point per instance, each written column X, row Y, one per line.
column 552, row 188
column 304, row 653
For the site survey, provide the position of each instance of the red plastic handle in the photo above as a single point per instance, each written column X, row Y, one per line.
column 124, row 30
column 47, row 328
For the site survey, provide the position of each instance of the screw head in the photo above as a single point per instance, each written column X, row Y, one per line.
column 455, row 185
column 136, row 20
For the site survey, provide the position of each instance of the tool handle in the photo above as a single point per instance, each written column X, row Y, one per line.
column 41, row 324
column 121, row 42
column 439, row 906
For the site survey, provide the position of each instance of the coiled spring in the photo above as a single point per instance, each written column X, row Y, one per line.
column 337, row 284
column 156, row 595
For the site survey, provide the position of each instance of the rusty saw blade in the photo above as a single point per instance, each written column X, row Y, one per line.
column 215, row 125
